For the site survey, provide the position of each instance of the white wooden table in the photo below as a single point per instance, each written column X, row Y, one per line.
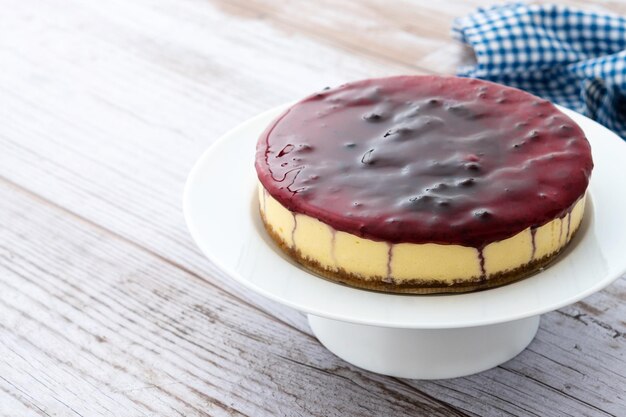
column 107, row 307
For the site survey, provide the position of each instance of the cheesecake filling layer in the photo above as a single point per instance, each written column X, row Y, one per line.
column 340, row 252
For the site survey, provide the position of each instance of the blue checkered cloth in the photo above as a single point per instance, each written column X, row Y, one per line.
column 571, row 57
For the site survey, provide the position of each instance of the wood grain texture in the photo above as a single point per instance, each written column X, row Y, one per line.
column 94, row 325
column 140, row 105
column 107, row 307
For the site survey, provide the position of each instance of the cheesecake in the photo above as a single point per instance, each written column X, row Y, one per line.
column 422, row 184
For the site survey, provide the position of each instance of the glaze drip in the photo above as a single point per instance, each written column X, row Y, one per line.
column 481, row 262
column 293, row 231
column 389, row 276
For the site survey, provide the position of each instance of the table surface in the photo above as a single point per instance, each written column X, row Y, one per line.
column 106, row 305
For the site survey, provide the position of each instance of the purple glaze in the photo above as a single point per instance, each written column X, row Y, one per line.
column 425, row 159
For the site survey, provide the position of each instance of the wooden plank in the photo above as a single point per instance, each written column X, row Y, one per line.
column 93, row 325
column 140, row 105
column 404, row 33
column 412, row 33
column 578, row 365
column 173, row 76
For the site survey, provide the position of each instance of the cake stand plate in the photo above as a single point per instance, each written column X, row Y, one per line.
column 409, row 336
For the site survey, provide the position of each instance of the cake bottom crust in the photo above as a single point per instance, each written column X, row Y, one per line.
column 416, row 286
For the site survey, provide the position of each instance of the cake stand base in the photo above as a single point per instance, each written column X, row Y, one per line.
column 425, row 353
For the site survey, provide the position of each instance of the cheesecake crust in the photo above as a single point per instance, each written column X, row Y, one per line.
column 415, row 286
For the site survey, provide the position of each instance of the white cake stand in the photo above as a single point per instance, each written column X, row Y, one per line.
column 408, row 336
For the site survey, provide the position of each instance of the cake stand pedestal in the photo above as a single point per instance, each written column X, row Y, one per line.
column 425, row 353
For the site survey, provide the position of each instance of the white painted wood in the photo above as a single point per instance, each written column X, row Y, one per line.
column 134, row 118
column 107, row 307
column 93, row 325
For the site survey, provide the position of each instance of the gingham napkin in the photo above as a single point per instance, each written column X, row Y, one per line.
column 572, row 57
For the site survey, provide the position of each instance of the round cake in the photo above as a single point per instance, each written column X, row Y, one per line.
column 423, row 184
